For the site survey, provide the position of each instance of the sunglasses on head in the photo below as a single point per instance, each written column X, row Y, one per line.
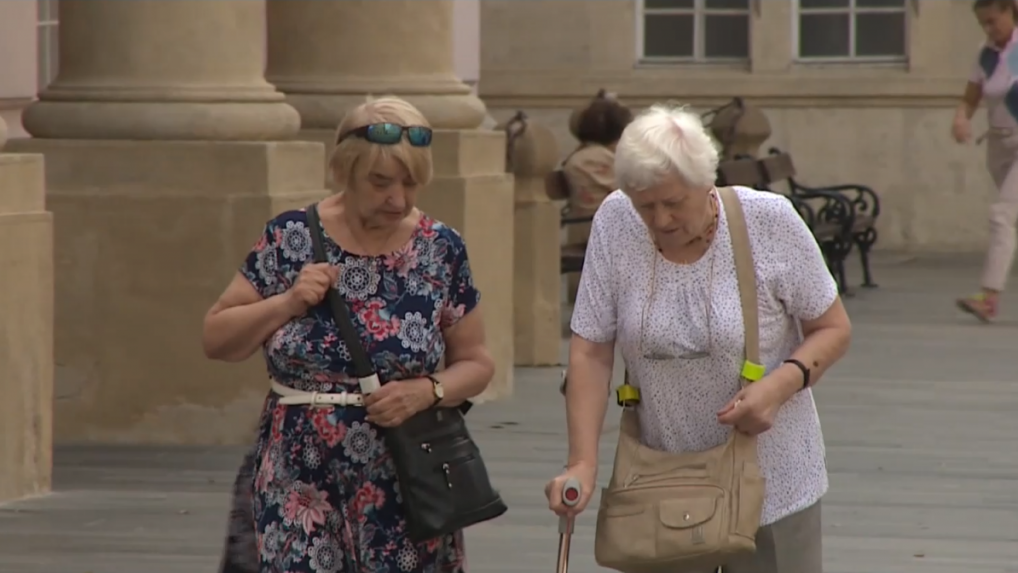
column 390, row 134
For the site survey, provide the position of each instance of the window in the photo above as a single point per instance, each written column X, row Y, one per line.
column 49, row 52
column 694, row 30
column 866, row 30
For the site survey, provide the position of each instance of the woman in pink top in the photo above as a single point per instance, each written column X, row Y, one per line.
column 995, row 80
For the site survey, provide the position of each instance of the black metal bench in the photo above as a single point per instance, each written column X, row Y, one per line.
column 864, row 202
column 828, row 215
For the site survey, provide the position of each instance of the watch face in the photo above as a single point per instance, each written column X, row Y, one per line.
column 439, row 390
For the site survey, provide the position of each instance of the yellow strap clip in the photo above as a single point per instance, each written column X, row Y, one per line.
column 753, row 372
column 627, row 395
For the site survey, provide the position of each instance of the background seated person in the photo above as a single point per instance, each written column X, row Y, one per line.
column 590, row 169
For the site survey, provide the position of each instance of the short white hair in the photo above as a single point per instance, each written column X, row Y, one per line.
column 661, row 141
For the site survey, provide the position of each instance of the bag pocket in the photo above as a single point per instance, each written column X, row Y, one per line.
column 748, row 501
column 668, row 476
column 690, row 525
column 625, row 532
column 467, row 479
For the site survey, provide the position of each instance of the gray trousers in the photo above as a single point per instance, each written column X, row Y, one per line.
column 789, row 545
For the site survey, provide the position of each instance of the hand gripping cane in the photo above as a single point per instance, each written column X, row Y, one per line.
column 570, row 497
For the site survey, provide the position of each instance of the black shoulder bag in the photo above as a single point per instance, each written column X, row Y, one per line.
column 442, row 478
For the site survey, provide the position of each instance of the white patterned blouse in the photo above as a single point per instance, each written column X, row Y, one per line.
column 694, row 320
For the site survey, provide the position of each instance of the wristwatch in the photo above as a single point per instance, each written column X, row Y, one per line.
column 802, row 367
column 437, row 389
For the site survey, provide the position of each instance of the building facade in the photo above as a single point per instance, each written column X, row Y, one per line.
column 164, row 134
column 30, row 44
column 858, row 91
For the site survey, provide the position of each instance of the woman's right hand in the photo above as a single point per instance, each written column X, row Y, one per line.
column 312, row 283
column 961, row 129
column 586, row 474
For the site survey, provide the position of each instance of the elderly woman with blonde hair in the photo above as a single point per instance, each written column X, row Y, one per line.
column 324, row 489
column 660, row 282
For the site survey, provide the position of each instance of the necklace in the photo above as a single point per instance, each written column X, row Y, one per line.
column 657, row 356
column 707, row 236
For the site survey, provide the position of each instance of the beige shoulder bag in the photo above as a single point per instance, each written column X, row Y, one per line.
column 669, row 513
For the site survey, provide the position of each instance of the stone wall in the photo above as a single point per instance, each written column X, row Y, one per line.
column 26, row 327
column 935, row 194
column 165, row 158
column 883, row 125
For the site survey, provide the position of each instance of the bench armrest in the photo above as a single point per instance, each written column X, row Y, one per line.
column 805, row 210
column 836, row 208
column 569, row 219
column 864, row 200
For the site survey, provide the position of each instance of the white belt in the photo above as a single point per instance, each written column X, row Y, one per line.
column 291, row 397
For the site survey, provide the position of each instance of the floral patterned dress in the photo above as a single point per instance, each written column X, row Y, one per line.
column 325, row 494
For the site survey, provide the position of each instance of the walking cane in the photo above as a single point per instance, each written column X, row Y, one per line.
column 570, row 497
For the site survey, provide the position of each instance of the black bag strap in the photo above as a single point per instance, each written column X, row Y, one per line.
column 364, row 369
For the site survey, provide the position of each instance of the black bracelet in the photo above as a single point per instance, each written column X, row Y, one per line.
column 802, row 367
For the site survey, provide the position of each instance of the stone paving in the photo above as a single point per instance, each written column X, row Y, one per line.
column 920, row 422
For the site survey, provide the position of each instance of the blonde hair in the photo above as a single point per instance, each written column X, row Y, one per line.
column 355, row 153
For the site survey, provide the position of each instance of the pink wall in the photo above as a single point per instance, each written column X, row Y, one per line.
column 18, row 61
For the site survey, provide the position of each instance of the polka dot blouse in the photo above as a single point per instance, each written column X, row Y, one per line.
column 679, row 328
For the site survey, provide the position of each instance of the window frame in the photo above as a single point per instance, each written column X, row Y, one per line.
column 699, row 13
column 852, row 10
column 47, row 24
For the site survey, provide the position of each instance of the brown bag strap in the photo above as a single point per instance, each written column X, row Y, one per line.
column 745, row 273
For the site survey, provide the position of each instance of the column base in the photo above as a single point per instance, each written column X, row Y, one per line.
column 26, row 329
column 150, row 234
column 203, row 121
column 327, row 137
column 472, row 193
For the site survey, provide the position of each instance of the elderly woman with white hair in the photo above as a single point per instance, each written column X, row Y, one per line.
column 660, row 281
column 319, row 493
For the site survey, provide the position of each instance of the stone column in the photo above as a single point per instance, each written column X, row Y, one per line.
column 150, row 69
column 160, row 186
column 537, row 285
column 473, row 194
column 26, row 327
column 328, row 56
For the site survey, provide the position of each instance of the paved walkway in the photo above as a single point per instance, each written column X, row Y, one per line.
column 921, row 423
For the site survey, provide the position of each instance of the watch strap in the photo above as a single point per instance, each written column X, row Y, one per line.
column 435, row 385
column 802, row 367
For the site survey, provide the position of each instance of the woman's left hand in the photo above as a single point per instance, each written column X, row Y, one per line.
column 398, row 400
column 753, row 409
